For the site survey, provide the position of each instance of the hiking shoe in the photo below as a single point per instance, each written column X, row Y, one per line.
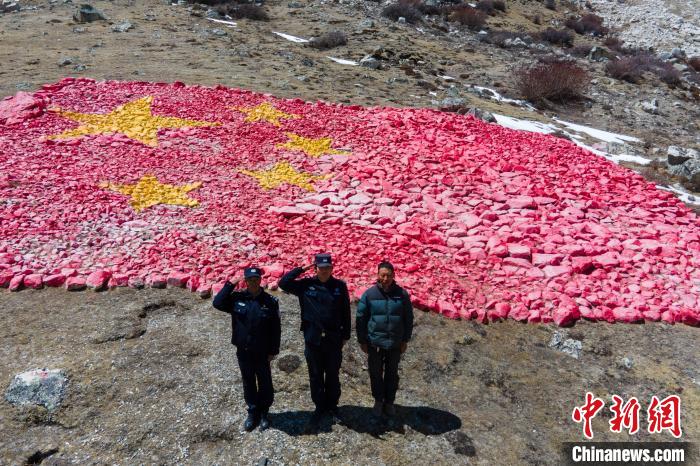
column 250, row 422
column 316, row 418
column 335, row 413
column 377, row 409
column 390, row 409
column 264, row 422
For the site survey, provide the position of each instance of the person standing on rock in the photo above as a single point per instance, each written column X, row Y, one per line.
column 256, row 332
column 384, row 324
column 325, row 322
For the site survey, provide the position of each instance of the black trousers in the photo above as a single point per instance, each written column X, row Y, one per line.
column 383, row 365
column 323, row 362
column 257, row 381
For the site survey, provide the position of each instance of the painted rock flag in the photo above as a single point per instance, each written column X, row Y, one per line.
column 133, row 183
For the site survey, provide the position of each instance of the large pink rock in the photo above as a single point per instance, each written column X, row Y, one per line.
column 34, row 280
column 546, row 259
column 627, row 315
column 54, row 280
column 519, row 251
column 76, row 283
column 16, row 283
column 566, row 315
column 204, row 291
column 275, row 270
column 552, row 271
column 499, row 311
column 156, row 281
column 98, row 279
column 178, row 279
column 521, row 202
column 5, row 278
column 20, row 107
column 118, row 280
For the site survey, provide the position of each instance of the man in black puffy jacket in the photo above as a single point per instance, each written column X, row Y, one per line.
column 325, row 321
column 384, row 325
column 256, row 331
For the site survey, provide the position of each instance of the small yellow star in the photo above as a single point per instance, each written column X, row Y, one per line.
column 148, row 191
column 312, row 147
column 133, row 119
column 264, row 112
column 282, row 172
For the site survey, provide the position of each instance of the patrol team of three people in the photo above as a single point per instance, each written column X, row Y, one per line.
column 384, row 323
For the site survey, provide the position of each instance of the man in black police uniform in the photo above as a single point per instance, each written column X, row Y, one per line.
column 256, row 331
column 325, row 321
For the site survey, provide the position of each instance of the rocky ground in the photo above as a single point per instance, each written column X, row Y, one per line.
column 152, row 378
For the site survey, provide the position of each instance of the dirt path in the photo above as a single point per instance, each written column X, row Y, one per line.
column 152, row 379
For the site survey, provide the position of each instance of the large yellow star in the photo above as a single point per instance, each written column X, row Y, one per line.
column 310, row 146
column 282, row 172
column 148, row 191
column 264, row 112
column 133, row 119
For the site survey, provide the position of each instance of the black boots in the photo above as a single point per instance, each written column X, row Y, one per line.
column 264, row 422
column 250, row 422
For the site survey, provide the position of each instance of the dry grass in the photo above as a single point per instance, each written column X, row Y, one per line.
column 243, row 11
column 468, row 16
column 329, row 40
column 587, row 24
column 557, row 36
column 632, row 69
column 403, row 9
column 556, row 81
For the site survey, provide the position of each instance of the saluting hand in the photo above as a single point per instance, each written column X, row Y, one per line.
column 308, row 267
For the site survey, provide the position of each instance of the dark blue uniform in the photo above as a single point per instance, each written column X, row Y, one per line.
column 256, row 331
column 325, row 321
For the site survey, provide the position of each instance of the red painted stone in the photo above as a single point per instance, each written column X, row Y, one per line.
column 75, row 283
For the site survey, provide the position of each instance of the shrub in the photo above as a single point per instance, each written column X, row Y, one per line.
column 328, row 40
column 550, row 4
column 486, row 6
column 625, row 69
column 587, row 24
column 558, row 37
column 581, row 50
column 537, row 19
column 500, row 5
column 490, row 7
column 404, row 9
column 499, row 38
column 668, row 74
column 468, row 16
column 613, row 43
column 556, row 81
column 632, row 68
column 243, row 10
column 694, row 63
column 429, row 9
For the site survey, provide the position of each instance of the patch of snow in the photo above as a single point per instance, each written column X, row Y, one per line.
column 343, row 61
column 291, row 38
column 494, row 95
column 598, row 133
column 524, row 125
column 230, row 24
column 682, row 194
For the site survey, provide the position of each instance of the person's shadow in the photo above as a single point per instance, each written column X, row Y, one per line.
column 426, row 420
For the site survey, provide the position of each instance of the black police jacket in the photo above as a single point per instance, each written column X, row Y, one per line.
column 325, row 307
column 255, row 320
